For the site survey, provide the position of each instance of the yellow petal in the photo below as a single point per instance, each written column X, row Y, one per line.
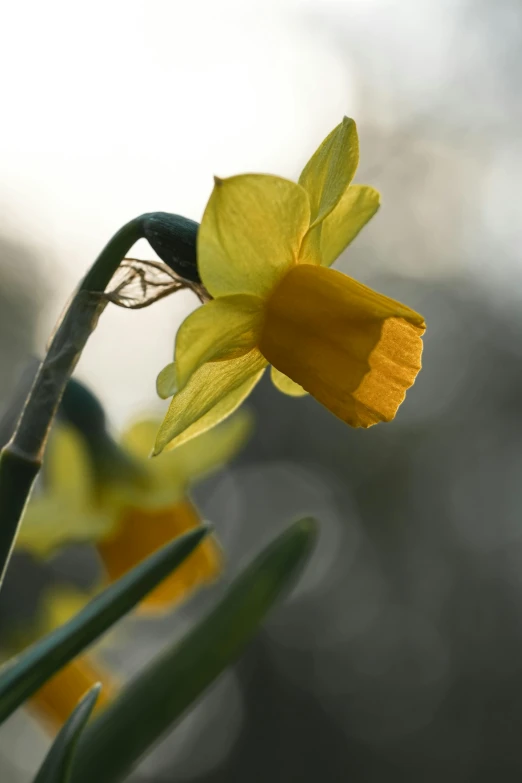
column 250, row 233
column 55, row 701
column 49, row 523
column 141, row 532
column 223, row 328
column 194, row 458
column 208, row 452
column 211, row 395
column 354, row 350
column 67, row 467
column 286, row 384
column 166, row 382
column 357, row 206
column 330, row 170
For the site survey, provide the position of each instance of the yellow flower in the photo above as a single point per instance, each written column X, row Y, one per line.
column 52, row 704
column 127, row 519
column 264, row 248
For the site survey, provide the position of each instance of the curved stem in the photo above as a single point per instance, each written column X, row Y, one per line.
column 21, row 458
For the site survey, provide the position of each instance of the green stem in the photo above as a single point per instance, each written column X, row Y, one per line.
column 17, row 474
column 21, row 458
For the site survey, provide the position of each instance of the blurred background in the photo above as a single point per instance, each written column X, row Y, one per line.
column 399, row 654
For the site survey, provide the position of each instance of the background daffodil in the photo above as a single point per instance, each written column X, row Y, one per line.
column 126, row 504
column 265, row 246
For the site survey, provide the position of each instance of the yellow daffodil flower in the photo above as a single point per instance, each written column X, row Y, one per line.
column 127, row 519
column 52, row 704
column 264, row 250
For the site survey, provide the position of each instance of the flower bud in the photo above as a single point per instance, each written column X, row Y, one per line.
column 173, row 238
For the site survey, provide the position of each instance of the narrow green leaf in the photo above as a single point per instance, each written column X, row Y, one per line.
column 57, row 764
column 158, row 696
column 25, row 674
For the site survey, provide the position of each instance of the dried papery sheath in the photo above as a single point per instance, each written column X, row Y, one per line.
column 138, row 283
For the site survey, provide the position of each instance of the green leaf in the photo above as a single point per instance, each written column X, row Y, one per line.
column 57, row 764
column 158, row 696
column 25, row 674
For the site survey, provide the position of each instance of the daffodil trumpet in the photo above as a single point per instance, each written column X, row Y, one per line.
column 264, row 251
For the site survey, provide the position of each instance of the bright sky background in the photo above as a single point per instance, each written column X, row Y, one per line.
column 127, row 107
column 119, row 108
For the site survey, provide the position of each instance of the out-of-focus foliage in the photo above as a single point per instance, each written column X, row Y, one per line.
column 57, row 764
column 25, row 673
column 171, row 683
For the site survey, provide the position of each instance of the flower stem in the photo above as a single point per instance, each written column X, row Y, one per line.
column 21, row 458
